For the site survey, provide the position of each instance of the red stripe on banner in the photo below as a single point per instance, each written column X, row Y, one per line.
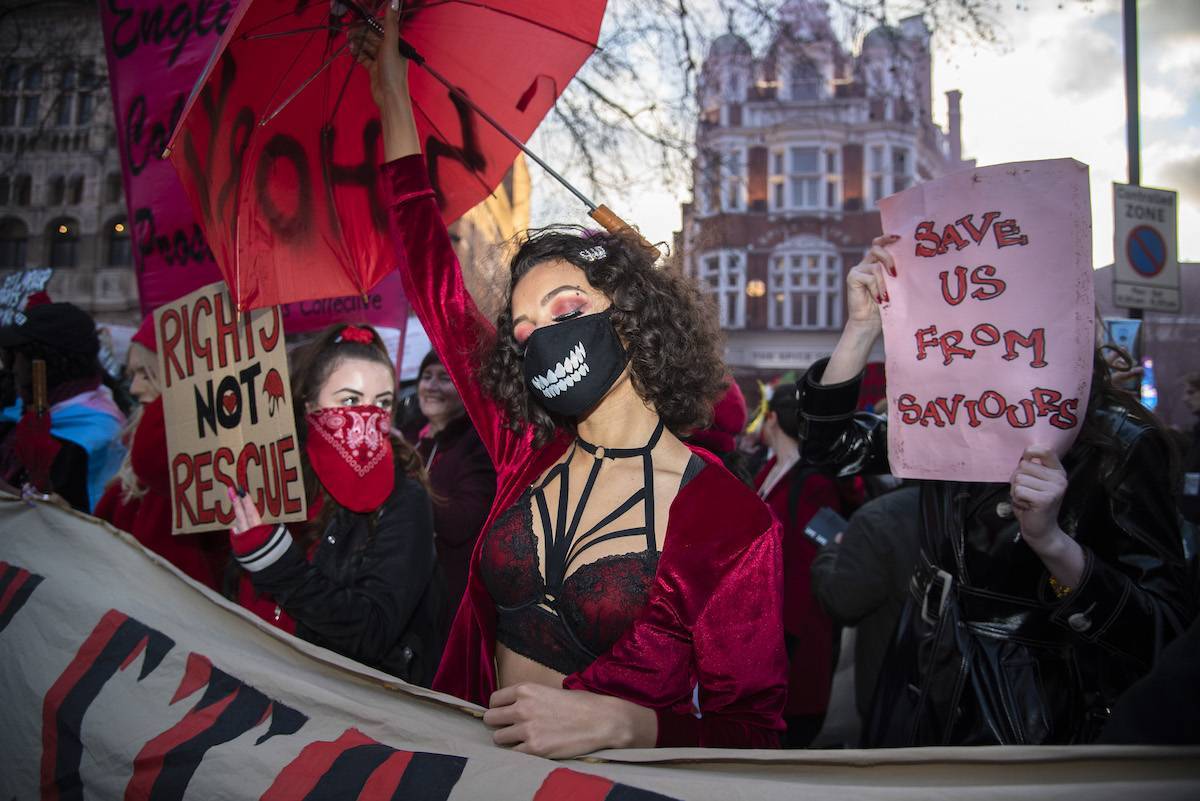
column 298, row 778
column 141, row 646
column 84, row 658
column 14, row 585
column 564, row 784
column 386, row 778
column 148, row 763
column 195, row 675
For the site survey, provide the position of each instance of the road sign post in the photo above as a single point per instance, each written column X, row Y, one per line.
column 1145, row 260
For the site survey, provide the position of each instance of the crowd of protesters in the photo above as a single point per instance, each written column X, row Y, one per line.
column 579, row 532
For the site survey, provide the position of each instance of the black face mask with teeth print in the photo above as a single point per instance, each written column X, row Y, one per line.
column 570, row 365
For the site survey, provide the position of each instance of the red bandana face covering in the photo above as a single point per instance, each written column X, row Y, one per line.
column 350, row 448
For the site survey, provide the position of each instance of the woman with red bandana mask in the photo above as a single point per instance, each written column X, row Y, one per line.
column 360, row 576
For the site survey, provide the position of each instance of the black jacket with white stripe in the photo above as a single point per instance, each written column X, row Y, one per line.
column 372, row 589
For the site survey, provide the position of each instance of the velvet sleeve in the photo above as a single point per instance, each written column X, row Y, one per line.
column 831, row 433
column 717, row 639
column 1133, row 598
column 434, row 286
column 362, row 618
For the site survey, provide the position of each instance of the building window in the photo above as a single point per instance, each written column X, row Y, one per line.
column 31, row 96
column 5, row 190
column 804, row 178
column 733, row 196
column 75, row 194
column 56, row 191
column 119, row 247
column 805, row 288
column 22, row 190
column 722, row 181
column 14, row 238
column 86, row 106
column 10, row 85
column 112, row 188
column 901, row 169
column 805, row 79
column 722, row 274
column 62, row 240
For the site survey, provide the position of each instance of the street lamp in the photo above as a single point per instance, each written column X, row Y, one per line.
column 756, row 288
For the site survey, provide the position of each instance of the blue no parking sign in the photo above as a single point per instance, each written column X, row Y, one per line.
column 1146, row 267
column 1146, row 250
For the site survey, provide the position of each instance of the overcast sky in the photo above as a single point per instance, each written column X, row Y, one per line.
column 1052, row 87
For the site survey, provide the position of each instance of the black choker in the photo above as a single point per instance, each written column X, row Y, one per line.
column 601, row 452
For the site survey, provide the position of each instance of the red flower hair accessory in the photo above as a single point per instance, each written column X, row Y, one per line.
column 354, row 333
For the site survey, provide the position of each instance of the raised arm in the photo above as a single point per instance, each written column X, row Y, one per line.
column 429, row 268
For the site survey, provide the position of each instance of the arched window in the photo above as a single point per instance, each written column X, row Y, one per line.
column 62, row 242
column 118, row 246
column 112, row 188
column 32, row 96
column 22, row 190
column 10, row 85
column 75, row 194
column 14, row 238
column 64, row 105
column 805, row 285
column 56, row 190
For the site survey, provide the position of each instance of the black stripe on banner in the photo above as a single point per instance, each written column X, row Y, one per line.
column 429, row 777
column 18, row 600
column 623, row 792
column 349, row 772
column 7, row 576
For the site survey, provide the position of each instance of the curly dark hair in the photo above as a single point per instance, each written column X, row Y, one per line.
column 672, row 340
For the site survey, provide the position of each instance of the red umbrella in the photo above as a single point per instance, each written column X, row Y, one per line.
column 279, row 144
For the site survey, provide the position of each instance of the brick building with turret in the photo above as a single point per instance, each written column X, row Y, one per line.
column 795, row 148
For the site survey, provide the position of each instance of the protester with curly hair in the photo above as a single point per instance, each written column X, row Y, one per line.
column 360, row 576
column 627, row 589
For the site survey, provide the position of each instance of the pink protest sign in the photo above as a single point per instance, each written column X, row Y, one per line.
column 156, row 51
column 989, row 333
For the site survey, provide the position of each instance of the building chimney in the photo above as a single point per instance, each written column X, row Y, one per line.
column 953, row 100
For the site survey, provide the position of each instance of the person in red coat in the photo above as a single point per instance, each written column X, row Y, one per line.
column 138, row 499
column 627, row 590
column 460, row 473
column 795, row 493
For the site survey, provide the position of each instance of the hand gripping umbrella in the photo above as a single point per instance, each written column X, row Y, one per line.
column 280, row 143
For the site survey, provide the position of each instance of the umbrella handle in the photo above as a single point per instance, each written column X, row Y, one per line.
column 40, row 395
column 615, row 225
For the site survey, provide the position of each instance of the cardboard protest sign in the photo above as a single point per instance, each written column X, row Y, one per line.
column 990, row 330
column 228, row 407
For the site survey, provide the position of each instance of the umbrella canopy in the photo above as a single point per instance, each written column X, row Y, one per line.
column 280, row 143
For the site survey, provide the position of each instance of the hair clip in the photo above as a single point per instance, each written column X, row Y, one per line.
column 353, row 333
column 593, row 254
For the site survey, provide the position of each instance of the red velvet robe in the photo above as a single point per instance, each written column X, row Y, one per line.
column 712, row 625
column 810, row 650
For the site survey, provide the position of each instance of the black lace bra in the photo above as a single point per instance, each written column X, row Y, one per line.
column 565, row 621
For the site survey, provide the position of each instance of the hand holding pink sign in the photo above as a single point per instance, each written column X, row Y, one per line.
column 987, row 319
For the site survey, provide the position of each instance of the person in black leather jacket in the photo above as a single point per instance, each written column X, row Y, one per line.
column 361, row 576
column 1007, row 638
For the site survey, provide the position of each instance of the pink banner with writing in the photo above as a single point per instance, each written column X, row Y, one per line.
column 989, row 332
column 157, row 50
